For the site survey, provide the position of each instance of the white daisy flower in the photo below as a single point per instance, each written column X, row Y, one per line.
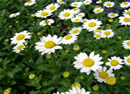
column 48, row 44
column 107, row 33
column 111, row 80
column 66, row 14
column 98, row 31
column 102, row 74
column 46, row 22
column 77, row 91
column 112, row 15
column 126, row 44
column 75, row 10
column 127, row 60
column 14, row 15
column 76, row 19
column 76, row 4
column 99, row 1
column 124, row 20
column 87, row 63
column 115, row 63
column 125, row 4
column 84, row 20
column 69, row 39
column 87, row 2
column 97, row 35
column 30, row 2
column 80, row 15
column 98, row 10
column 75, row 30
column 19, row 47
column 92, row 24
column 126, row 12
column 60, row 1
column 43, row 13
column 52, row 7
column 20, row 37
column 109, row 4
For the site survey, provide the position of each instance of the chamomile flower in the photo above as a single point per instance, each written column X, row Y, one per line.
column 127, row 60
column 98, row 10
column 111, row 80
column 80, row 15
column 77, row 91
column 115, row 63
column 126, row 12
column 20, row 37
column 48, row 44
column 66, row 14
column 14, row 15
column 52, row 7
column 43, row 13
column 87, row 63
column 75, row 10
column 76, row 4
column 75, row 30
column 112, row 15
column 124, row 20
column 107, row 33
column 47, row 22
column 125, row 4
column 126, row 44
column 92, row 24
column 69, row 39
column 98, row 31
column 30, row 3
column 109, row 4
column 87, row 2
column 76, row 19
column 19, row 47
column 99, row 1
column 84, row 20
column 60, row 1
column 97, row 35
column 102, row 74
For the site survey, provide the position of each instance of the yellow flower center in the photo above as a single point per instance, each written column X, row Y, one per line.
column 50, row 44
column 88, row 62
column 77, row 93
column 98, row 10
column 76, row 85
column 76, row 31
column 128, row 43
column 80, row 15
column 128, row 12
column 98, row 30
column 84, row 21
column 111, row 80
column 74, row 9
column 76, row 20
column 14, row 15
column 128, row 60
column 98, row 35
column 46, row 22
column 108, row 4
column 68, row 37
column 29, row 1
column 125, row 3
column 52, row 7
column 44, row 14
column 114, row 62
column 103, row 75
column 67, row 14
column 20, row 37
column 87, row 1
column 20, row 47
column 92, row 24
column 107, row 33
column 61, row 1
column 112, row 14
column 75, row 4
column 126, row 19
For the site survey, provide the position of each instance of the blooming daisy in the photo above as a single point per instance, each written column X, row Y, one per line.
column 75, row 10
column 111, row 80
column 92, row 24
column 97, row 35
column 84, row 20
column 77, row 91
column 98, row 10
column 47, row 22
column 52, row 7
column 125, row 4
column 30, row 2
column 107, row 33
column 126, row 44
column 60, row 1
column 20, row 37
column 14, row 15
column 124, row 20
column 102, row 74
column 48, row 44
column 80, row 15
column 126, row 12
column 76, row 19
column 109, row 4
column 76, row 4
column 87, row 63
column 112, row 15
column 43, row 13
column 99, row 1
column 75, row 30
column 115, row 63
column 66, row 14
column 18, row 47
column 127, row 60
column 87, row 2
column 69, row 39
column 98, row 31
